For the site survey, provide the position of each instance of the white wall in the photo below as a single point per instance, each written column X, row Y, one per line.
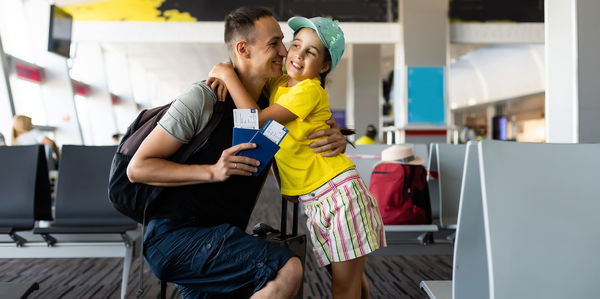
column 88, row 67
column 56, row 89
column 5, row 94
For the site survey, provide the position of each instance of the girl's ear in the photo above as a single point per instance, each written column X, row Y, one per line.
column 242, row 50
column 326, row 67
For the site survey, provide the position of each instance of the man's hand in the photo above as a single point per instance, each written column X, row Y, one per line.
column 335, row 141
column 230, row 164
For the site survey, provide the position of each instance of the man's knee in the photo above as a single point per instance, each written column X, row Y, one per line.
column 294, row 268
column 292, row 274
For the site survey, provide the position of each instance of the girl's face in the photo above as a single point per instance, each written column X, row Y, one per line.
column 306, row 56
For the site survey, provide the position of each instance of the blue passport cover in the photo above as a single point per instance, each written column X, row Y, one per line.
column 264, row 151
column 242, row 135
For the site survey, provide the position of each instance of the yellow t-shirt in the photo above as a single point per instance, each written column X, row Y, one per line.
column 300, row 169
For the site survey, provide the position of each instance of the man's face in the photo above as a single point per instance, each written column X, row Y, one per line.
column 268, row 51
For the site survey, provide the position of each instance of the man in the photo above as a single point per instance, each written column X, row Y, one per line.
column 196, row 236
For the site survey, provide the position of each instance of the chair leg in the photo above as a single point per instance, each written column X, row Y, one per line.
column 163, row 289
column 126, row 266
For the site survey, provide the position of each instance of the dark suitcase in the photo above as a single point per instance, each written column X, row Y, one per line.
column 295, row 242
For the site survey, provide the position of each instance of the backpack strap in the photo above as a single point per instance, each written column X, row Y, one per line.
column 199, row 140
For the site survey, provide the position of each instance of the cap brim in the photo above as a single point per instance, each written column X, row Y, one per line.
column 301, row 22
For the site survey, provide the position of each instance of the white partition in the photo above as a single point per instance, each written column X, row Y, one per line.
column 541, row 204
column 451, row 160
column 432, row 182
column 446, row 172
column 469, row 271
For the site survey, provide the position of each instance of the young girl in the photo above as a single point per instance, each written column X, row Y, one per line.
column 343, row 218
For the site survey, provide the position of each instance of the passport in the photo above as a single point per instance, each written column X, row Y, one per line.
column 267, row 142
column 265, row 151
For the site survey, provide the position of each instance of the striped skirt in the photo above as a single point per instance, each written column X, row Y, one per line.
column 343, row 219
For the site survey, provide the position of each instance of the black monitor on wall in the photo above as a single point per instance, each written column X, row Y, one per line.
column 59, row 38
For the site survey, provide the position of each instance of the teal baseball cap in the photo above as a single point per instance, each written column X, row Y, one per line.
column 328, row 31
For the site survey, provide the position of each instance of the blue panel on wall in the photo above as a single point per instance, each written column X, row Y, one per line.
column 426, row 95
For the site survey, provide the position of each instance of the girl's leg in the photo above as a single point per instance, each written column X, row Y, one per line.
column 346, row 278
column 364, row 287
column 364, row 284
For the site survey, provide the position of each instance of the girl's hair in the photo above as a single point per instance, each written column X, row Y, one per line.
column 323, row 75
column 21, row 124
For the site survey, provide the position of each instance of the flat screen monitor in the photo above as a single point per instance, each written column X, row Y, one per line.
column 59, row 38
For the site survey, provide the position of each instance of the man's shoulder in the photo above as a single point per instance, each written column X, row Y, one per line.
column 198, row 96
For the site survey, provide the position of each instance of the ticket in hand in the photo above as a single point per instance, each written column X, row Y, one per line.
column 274, row 131
column 245, row 118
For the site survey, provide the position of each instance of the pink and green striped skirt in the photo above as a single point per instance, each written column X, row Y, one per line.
column 343, row 219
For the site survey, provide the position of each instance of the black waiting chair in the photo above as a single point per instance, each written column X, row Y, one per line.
column 82, row 208
column 24, row 190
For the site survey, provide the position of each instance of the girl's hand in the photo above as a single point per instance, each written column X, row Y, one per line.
column 221, row 70
column 218, row 86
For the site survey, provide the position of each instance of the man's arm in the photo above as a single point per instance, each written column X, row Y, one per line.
column 333, row 145
column 150, row 166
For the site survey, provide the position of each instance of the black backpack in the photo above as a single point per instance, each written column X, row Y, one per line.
column 134, row 199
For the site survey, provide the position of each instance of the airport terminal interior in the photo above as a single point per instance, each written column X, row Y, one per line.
column 496, row 101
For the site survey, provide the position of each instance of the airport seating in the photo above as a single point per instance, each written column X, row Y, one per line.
column 24, row 190
column 516, row 254
column 470, row 278
column 86, row 225
column 365, row 157
column 446, row 163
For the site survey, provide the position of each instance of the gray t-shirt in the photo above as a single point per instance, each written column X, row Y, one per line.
column 189, row 113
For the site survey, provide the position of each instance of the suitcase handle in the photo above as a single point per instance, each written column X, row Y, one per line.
column 283, row 227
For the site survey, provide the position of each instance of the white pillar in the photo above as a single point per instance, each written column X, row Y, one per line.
column 572, row 71
column 367, row 86
column 424, row 42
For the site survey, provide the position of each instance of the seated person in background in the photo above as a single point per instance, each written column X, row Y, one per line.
column 116, row 137
column 369, row 137
column 23, row 133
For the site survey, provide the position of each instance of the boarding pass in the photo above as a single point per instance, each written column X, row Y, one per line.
column 245, row 118
column 274, row 131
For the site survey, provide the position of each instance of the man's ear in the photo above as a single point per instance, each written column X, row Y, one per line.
column 242, row 49
column 325, row 67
